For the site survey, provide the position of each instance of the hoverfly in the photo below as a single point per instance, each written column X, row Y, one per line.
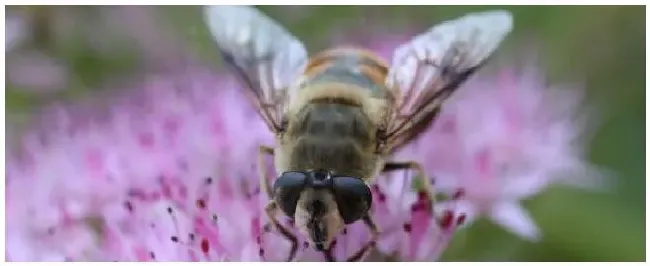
column 339, row 114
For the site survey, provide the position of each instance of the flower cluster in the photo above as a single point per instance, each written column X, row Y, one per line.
column 501, row 139
column 167, row 172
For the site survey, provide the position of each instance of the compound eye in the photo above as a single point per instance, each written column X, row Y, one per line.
column 287, row 189
column 353, row 197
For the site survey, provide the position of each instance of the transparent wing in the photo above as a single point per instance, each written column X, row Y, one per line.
column 428, row 69
column 264, row 55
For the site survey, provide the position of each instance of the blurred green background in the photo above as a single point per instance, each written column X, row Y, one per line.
column 602, row 46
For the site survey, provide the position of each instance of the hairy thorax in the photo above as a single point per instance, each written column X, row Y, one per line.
column 331, row 136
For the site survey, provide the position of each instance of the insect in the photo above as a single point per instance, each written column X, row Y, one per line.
column 339, row 114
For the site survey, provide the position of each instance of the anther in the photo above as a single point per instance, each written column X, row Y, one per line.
column 458, row 194
column 208, row 180
column 461, row 219
column 407, row 227
column 200, row 203
column 205, row 245
column 446, row 220
column 174, row 239
column 382, row 197
column 305, row 245
column 169, row 210
column 422, row 196
column 152, row 255
column 128, row 206
column 261, row 252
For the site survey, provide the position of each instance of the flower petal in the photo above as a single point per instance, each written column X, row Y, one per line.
column 515, row 218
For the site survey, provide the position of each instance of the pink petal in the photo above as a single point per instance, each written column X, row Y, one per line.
column 514, row 218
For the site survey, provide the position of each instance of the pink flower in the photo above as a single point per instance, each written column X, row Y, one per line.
column 505, row 138
column 500, row 139
column 166, row 172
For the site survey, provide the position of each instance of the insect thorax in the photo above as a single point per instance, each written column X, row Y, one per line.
column 351, row 66
column 339, row 103
column 331, row 136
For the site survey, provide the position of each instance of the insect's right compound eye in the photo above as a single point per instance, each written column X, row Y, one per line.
column 287, row 189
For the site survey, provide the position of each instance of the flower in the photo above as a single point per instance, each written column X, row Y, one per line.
column 501, row 139
column 164, row 172
column 88, row 162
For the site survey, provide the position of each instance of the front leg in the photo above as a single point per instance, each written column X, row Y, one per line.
column 427, row 188
column 360, row 254
column 261, row 164
column 271, row 210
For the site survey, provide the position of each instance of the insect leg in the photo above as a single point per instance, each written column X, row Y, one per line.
column 419, row 173
column 261, row 164
column 329, row 257
column 374, row 235
column 271, row 210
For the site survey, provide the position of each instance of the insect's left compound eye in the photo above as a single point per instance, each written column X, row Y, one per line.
column 287, row 189
column 353, row 197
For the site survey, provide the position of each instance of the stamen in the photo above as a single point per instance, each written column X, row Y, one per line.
column 205, row 245
column 128, row 205
column 423, row 196
column 458, row 194
column 174, row 239
column 380, row 195
column 407, row 227
column 446, row 220
column 200, row 203
column 461, row 219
